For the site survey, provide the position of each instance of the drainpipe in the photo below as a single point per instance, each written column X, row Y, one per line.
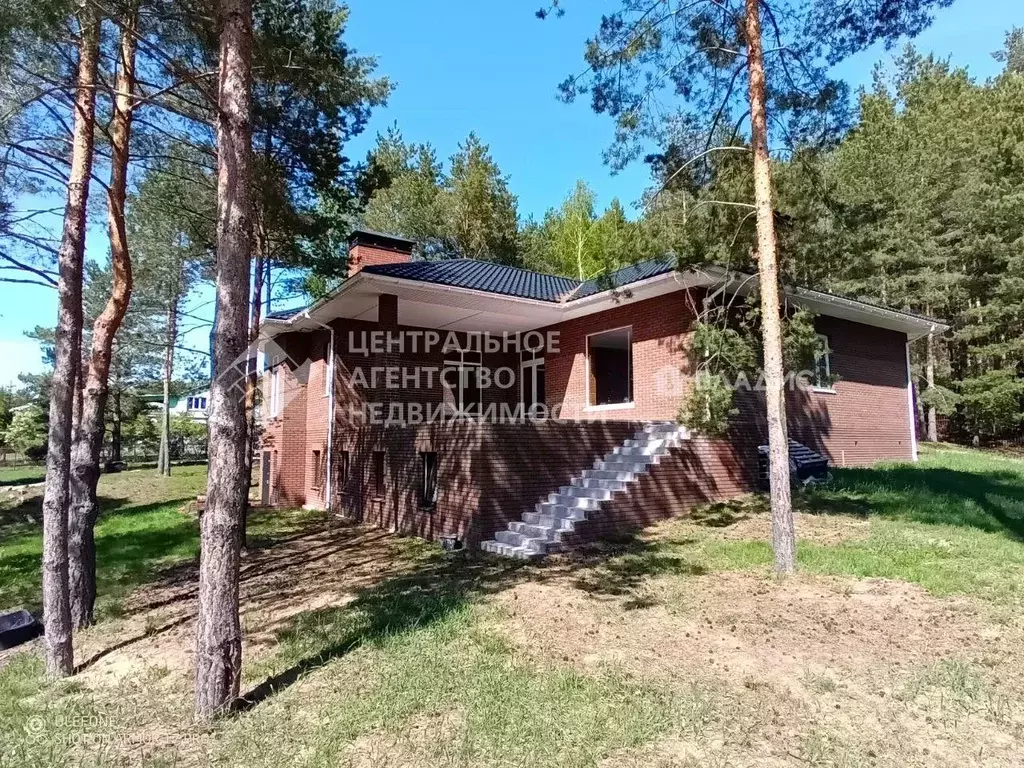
column 330, row 410
column 911, row 415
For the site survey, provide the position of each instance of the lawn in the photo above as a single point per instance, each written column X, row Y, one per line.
column 898, row 644
column 22, row 475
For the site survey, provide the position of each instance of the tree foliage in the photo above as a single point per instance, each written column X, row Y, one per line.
column 574, row 241
column 466, row 210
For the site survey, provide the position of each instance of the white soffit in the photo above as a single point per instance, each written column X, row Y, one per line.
column 430, row 305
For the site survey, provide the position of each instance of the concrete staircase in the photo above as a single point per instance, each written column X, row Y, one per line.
column 539, row 532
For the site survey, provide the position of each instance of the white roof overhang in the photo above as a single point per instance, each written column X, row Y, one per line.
column 444, row 307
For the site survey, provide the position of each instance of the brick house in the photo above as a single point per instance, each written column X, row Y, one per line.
column 402, row 399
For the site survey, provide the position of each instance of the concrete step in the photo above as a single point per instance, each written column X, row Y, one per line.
column 669, row 441
column 586, row 492
column 611, row 475
column 518, row 540
column 638, row 451
column 549, row 533
column 583, row 502
column 497, row 548
column 547, row 521
column 662, row 431
column 560, row 511
column 618, row 465
column 586, row 481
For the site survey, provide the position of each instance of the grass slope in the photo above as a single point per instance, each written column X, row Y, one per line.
column 675, row 649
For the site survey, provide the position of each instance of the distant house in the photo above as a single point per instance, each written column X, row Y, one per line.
column 195, row 404
column 378, row 404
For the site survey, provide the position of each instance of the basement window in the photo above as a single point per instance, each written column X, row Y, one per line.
column 610, row 368
column 428, row 479
column 318, row 470
column 342, row 468
column 378, row 473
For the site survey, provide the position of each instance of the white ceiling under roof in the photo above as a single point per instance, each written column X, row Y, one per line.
column 430, row 305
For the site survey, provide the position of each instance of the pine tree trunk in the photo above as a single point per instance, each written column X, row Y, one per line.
column 252, row 374
column 163, row 462
column 783, row 530
column 67, row 354
column 933, row 426
column 218, row 631
column 85, row 457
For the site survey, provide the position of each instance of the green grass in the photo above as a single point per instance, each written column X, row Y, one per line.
column 416, row 669
column 415, row 666
column 21, row 475
column 951, row 523
column 141, row 529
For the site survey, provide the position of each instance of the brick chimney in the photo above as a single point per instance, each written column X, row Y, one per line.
column 369, row 249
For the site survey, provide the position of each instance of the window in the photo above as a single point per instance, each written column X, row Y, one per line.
column 532, row 383
column 610, row 368
column 823, row 365
column 462, row 376
column 378, row 473
column 342, row 468
column 318, row 470
column 197, row 403
column 428, row 479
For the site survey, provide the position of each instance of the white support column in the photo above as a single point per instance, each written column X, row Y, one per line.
column 910, row 408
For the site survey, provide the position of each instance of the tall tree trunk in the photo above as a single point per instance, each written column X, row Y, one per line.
column 85, row 458
column 163, row 462
column 218, row 632
column 67, row 351
column 783, row 530
column 252, row 373
column 929, row 372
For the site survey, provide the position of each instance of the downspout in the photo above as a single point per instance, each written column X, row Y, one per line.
column 911, row 416
column 330, row 409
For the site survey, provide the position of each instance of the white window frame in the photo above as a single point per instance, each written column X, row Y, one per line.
column 827, row 355
column 631, row 403
column 459, row 365
column 530, row 364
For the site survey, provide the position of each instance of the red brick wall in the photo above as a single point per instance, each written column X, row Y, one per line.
column 660, row 330
column 698, row 472
column 867, row 417
column 490, row 474
column 363, row 255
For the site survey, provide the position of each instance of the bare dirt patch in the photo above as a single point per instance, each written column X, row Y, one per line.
column 323, row 565
column 846, row 670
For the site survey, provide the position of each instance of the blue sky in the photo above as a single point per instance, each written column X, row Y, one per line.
column 492, row 67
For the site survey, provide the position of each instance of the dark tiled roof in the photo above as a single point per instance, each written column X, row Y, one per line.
column 634, row 273
column 285, row 314
column 481, row 276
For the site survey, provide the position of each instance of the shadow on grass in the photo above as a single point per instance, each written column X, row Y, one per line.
column 447, row 583
column 991, row 501
column 616, row 568
column 132, row 544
